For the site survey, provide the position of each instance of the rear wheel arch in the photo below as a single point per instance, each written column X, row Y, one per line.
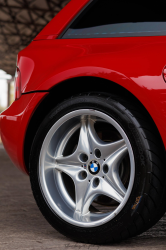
column 67, row 89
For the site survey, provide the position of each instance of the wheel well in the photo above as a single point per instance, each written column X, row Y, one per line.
column 65, row 90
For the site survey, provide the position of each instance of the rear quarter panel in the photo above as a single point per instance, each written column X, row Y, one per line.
column 135, row 63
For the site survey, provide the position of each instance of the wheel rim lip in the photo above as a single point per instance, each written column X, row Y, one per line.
column 41, row 170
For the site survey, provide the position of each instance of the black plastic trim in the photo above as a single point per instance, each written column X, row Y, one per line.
column 35, row 91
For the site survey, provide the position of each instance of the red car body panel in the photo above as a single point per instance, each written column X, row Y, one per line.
column 136, row 63
column 13, row 124
column 62, row 19
column 129, row 62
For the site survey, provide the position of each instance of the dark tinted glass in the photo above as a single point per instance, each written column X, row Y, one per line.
column 120, row 18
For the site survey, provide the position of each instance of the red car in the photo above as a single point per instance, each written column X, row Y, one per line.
column 88, row 123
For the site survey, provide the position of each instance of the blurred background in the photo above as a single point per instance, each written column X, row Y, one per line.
column 20, row 22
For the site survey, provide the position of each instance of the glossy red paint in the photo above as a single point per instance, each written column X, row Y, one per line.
column 63, row 18
column 129, row 62
column 136, row 63
column 13, row 124
column 45, row 37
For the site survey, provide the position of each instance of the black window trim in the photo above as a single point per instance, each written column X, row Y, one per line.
column 68, row 26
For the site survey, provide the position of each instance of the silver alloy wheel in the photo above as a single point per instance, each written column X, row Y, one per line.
column 93, row 167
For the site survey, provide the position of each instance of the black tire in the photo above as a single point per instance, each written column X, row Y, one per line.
column 147, row 202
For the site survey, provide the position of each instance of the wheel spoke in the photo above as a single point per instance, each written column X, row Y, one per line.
column 71, row 160
column 82, row 148
column 80, row 190
column 50, row 159
column 106, row 148
column 83, row 142
column 72, row 171
column 79, row 177
column 96, row 189
column 113, row 163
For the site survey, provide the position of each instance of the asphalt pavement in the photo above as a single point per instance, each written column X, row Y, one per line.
column 23, row 227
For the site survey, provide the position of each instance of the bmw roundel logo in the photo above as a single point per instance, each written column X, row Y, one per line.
column 94, row 167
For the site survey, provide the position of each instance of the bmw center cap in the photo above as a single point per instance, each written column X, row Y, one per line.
column 94, row 167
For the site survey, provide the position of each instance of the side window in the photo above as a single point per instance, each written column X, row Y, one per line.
column 119, row 18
